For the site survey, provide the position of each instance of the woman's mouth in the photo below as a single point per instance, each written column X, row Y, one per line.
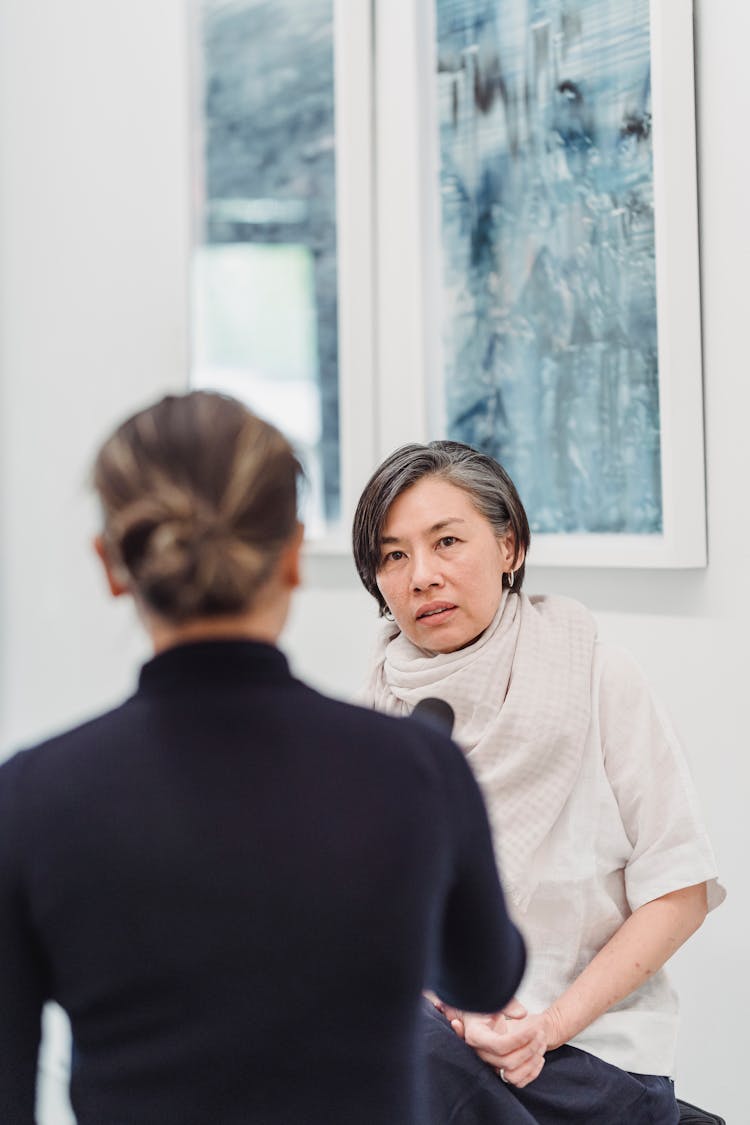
column 435, row 613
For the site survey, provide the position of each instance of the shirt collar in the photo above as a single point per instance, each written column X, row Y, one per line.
column 218, row 663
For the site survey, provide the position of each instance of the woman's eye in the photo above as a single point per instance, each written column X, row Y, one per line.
column 393, row 556
column 447, row 541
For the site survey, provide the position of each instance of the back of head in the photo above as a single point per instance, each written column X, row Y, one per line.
column 199, row 498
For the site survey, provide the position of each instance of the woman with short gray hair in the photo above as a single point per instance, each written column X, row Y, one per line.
column 603, row 855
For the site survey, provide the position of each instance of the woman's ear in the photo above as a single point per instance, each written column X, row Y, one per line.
column 508, row 550
column 290, row 563
column 116, row 587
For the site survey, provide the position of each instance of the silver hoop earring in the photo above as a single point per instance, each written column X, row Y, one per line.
column 511, row 579
column 388, row 615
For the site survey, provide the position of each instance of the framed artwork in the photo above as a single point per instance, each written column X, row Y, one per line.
column 282, row 261
column 552, row 304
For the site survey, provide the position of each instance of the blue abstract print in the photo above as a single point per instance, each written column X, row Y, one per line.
column 549, row 279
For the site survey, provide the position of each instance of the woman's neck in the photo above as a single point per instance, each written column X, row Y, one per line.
column 259, row 625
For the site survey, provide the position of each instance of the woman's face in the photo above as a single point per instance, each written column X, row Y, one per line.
column 441, row 566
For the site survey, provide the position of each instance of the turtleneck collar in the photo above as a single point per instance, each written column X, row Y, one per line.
column 213, row 663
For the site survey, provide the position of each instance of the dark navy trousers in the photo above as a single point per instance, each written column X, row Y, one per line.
column 574, row 1088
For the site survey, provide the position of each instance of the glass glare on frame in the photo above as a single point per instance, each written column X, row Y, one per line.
column 264, row 267
column 549, row 279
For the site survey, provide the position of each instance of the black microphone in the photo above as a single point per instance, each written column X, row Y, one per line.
column 436, row 713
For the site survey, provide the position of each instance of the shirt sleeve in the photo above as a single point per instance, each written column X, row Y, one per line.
column 22, row 978
column 653, row 788
column 482, row 955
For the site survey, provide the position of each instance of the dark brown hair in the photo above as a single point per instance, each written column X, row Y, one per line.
column 199, row 497
column 489, row 487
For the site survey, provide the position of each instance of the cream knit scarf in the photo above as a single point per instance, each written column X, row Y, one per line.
column 522, row 699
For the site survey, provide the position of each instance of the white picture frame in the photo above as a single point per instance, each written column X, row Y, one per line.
column 407, row 285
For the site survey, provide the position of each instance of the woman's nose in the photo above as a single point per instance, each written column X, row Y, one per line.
column 425, row 572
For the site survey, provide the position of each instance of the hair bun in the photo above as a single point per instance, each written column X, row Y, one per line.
column 185, row 561
column 199, row 498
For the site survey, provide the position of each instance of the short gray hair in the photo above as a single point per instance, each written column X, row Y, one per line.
column 489, row 487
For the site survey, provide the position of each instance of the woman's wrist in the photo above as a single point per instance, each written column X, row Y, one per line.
column 554, row 1027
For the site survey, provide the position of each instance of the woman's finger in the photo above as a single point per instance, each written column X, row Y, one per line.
column 524, row 1075
column 483, row 1037
column 434, row 999
column 514, row 1010
column 495, row 1052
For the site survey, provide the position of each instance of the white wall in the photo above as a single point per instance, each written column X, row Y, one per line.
column 94, row 230
column 93, row 283
column 94, row 221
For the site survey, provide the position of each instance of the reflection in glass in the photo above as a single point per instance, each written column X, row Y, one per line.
column 549, row 284
column 265, row 301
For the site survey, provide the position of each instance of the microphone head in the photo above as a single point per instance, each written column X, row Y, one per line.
column 436, row 713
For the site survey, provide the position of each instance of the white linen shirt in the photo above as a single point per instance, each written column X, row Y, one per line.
column 629, row 833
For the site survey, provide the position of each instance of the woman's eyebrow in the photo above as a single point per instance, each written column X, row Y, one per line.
column 439, row 526
column 444, row 523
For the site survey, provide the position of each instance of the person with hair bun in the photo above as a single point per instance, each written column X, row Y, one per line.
column 604, row 858
column 236, row 887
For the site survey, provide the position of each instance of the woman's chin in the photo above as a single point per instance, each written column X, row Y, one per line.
column 439, row 642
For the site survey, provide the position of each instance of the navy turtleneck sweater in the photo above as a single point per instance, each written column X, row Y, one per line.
column 237, row 888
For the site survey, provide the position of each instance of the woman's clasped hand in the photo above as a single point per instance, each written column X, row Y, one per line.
column 513, row 1041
